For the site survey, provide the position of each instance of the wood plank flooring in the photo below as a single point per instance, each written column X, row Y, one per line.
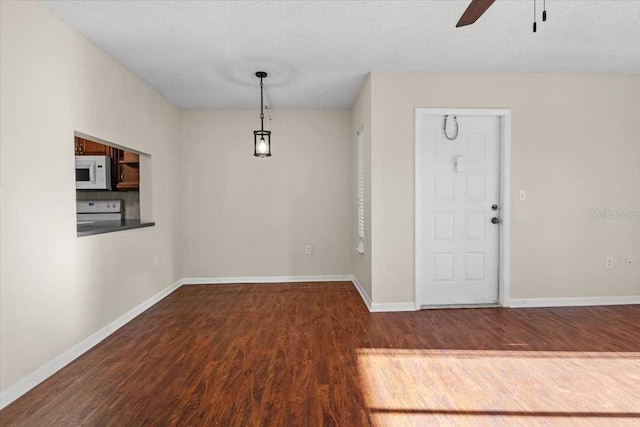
column 312, row 355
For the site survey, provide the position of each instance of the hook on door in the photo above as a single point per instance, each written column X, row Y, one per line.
column 444, row 127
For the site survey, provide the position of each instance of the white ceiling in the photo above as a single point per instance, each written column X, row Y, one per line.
column 203, row 54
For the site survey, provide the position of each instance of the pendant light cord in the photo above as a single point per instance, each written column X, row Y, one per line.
column 261, row 105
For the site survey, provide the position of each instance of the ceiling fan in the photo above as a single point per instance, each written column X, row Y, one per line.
column 474, row 11
column 477, row 8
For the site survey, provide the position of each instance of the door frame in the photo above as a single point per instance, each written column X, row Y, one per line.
column 504, row 264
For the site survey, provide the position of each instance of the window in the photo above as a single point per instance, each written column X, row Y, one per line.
column 360, row 148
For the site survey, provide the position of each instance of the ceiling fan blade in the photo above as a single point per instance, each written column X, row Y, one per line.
column 474, row 11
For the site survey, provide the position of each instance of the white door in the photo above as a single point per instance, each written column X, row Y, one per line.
column 457, row 196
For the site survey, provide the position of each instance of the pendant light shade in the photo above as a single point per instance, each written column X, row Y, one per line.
column 262, row 143
column 261, row 138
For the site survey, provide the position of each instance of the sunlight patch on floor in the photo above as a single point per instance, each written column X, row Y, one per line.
column 478, row 387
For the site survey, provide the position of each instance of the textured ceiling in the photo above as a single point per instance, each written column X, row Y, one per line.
column 317, row 53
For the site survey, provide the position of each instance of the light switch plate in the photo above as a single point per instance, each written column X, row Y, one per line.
column 523, row 195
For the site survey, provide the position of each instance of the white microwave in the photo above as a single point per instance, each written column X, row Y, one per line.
column 93, row 172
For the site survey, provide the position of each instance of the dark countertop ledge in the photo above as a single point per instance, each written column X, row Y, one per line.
column 111, row 226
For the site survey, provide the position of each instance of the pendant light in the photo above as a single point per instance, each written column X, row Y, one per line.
column 261, row 138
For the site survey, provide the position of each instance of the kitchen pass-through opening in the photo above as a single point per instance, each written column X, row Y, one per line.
column 113, row 186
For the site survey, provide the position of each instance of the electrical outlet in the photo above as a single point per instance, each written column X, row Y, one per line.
column 609, row 262
column 523, row 195
column 156, row 261
column 308, row 250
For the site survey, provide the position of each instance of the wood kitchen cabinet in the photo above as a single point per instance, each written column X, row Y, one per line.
column 84, row 147
column 128, row 166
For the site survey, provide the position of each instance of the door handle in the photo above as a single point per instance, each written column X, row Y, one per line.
column 494, row 207
column 495, row 220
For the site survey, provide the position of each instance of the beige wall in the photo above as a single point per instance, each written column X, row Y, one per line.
column 246, row 216
column 361, row 119
column 56, row 288
column 574, row 148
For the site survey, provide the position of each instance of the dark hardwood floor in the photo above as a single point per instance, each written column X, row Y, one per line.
column 312, row 355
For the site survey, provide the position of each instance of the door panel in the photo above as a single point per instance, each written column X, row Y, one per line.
column 457, row 182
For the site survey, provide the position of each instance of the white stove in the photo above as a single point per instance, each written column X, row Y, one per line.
column 91, row 211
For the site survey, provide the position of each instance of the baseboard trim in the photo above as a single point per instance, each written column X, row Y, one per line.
column 264, row 279
column 572, row 302
column 28, row 382
column 361, row 291
column 379, row 307
column 372, row 307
